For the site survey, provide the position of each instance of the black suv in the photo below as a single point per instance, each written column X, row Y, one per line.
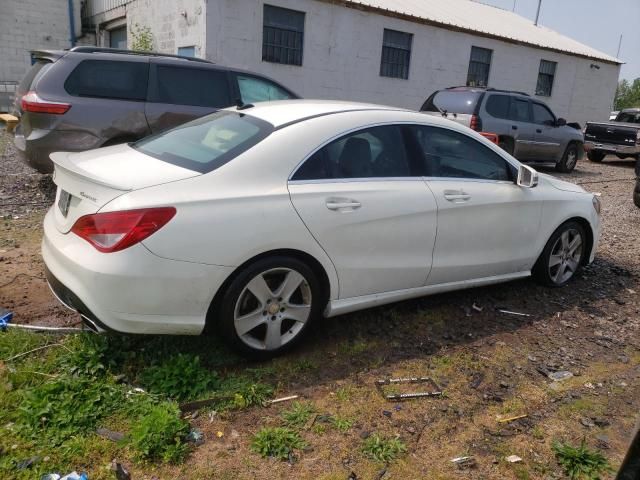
column 90, row 97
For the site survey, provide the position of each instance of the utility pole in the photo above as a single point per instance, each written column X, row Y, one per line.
column 538, row 12
column 514, row 6
column 619, row 45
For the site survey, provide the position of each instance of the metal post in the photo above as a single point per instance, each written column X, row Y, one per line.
column 619, row 45
column 538, row 12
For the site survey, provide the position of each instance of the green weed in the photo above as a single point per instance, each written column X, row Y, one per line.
column 180, row 377
column 298, row 415
column 383, row 449
column 276, row 442
column 158, row 434
column 580, row 463
column 341, row 423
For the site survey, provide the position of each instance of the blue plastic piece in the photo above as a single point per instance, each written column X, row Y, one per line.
column 5, row 317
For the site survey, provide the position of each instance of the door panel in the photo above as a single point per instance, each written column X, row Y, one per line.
column 522, row 128
column 548, row 139
column 379, row 233
column 485, row 228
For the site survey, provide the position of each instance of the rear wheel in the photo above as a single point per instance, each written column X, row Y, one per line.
column 636, row 194
column 269, row 306
column 595, row 156
column 569, row 159
column 562, row 256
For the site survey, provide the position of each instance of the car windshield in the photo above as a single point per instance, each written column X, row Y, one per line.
column 628, row 117
column 208, row 142
column 461, row 101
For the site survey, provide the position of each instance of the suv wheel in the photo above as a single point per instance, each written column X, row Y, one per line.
column 636, row 194
column 595, row 156
column 569, row 159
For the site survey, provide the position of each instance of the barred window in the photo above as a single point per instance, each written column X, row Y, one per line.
column 282, row 35
column 479, row 66
column 546, row 75
column 396, row 54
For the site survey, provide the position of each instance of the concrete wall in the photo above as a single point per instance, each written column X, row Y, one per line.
column 173, row 23
column 342, row 50
column 32, row 24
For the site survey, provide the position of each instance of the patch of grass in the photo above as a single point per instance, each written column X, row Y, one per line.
column 343, row 394
column 298, row 415
column 581, row 463
column 537, row 432
column 383, row 449
column 342, row 424
column 180, row 377
column 276, row 442
column 354, row 348
column 245, row 393
column 582, row 406
column 303, row 366
column 521, row 472
column 159, row 434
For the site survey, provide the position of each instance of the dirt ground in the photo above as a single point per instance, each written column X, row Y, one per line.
column 490, row 365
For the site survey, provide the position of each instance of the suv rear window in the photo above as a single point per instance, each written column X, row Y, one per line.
column 460, row 101
column 109, row 79
column 208, row 142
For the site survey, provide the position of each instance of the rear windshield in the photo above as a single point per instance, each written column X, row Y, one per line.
column 28, row 79
column 208, row 142
column 628, row 117
column 451, row 101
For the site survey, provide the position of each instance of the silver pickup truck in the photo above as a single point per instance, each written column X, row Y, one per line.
column 620, row 137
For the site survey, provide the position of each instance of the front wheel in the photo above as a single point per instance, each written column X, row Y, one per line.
column 269, row 306
column 569, row 159
column 562, row 256
column 636, row 194
column 595, row 156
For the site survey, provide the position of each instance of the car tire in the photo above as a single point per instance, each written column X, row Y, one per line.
column 595, row 156
column 561, row 258
column 636, row 194
column 569, row 159
column 269, row 306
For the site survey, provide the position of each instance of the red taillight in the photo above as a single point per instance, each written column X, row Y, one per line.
column 475, row 124
column 31, row 102
column 115, row 231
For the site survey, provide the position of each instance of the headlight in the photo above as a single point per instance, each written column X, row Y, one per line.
column 596, row 204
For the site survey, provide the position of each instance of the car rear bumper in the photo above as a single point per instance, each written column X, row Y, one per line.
column 34, row 149
column 612, row 148
column 131, row 291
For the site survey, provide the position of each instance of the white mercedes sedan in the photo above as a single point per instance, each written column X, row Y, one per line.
column 255, row 221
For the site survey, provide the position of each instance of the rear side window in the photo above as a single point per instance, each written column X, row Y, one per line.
column 109, row 79
column 369, row 153
column 451, row 154
column 461, row 101
column 254, row 89
column 498, row 106
column 208, row 142
column 29, row 79
column 519, row 110
column 191, row 86
column 628, row 117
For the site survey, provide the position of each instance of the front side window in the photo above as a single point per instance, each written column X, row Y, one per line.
column 542, row 115
column 369, row 153
column 396, row 54
column 191, row 86
column 479, row 65
column 282, row 35
column 519, row 110
column 254, row 89
column 451, row 154
column 109, row 79
column 208, row 142
column 546, row 74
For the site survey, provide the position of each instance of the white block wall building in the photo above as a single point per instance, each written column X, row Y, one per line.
column 342, row 48
column 33, row 24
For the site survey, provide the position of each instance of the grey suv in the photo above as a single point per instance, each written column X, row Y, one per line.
column 90, row 97
column 526, row 127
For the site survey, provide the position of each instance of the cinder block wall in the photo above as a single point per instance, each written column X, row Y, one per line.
column 342, row 50
column 32, row 24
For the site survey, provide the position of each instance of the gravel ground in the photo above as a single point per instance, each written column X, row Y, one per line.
column 490, row 364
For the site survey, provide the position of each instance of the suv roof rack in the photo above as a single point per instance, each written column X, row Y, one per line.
column 488, row 89
column 90, row 49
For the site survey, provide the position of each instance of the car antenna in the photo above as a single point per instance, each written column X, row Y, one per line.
column 240, row 105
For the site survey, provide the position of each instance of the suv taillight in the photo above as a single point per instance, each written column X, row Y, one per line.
column 114, row 231
column 31, row 102
column 475, row 123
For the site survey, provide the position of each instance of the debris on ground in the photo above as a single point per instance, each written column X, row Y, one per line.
column 511, row 419
column 513, row 459
column 196, row 437
column 5, row 317
column 71, row 476
column 283, row 399
column 464, row 462
column 435, row 389
column 477, row 307
column 110, row 434
column 510, row 312
column 120, row 471
column 560, row 376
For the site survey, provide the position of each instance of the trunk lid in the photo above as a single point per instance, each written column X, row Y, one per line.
column 615, row 133
column 89, row 180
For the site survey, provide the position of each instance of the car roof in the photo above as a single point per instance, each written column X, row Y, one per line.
column 465, row 88
column 281, row 113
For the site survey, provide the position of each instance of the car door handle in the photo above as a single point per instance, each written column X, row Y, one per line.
column 514, row 127
column 456, row 196
column 538, row 130
column 342, row 204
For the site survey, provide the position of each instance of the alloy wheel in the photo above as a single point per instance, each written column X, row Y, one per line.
column 272, row 308
column 566, row 255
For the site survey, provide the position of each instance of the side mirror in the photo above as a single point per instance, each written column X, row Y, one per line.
column 527, row 177
column 561, row 122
